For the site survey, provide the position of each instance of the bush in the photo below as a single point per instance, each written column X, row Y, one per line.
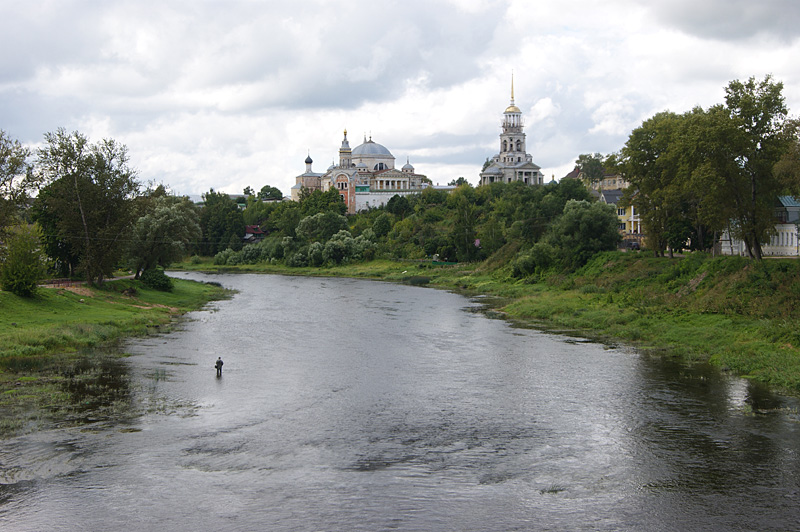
column 157, row 280
column 23, row 265
column 221, row 258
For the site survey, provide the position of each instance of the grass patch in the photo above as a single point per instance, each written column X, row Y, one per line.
column 45, row 369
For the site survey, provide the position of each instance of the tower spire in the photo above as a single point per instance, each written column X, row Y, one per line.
column 512, row 87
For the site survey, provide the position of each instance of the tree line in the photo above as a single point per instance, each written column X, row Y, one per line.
column 697, row 174
column 77, row 208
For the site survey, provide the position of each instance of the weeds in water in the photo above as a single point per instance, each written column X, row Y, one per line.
column 552, row 489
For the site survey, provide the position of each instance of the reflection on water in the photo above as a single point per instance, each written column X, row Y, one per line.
column 355, row 405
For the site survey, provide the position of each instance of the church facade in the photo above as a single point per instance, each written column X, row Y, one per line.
column 513, row 163
column 365, row 176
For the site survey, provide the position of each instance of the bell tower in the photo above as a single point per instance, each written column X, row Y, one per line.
column 512, row 139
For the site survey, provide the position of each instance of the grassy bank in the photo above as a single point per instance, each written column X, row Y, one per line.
column 736, row 314
column 45, row 371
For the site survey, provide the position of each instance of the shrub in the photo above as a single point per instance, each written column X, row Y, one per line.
column 24, row 262
column 157, row 280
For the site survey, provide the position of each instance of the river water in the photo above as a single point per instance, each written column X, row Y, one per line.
column 358, row 405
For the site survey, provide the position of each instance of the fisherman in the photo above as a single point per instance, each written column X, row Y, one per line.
column 218, row 365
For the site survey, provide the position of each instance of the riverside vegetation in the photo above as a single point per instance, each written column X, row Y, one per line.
column 52, row 370
column 545, row 251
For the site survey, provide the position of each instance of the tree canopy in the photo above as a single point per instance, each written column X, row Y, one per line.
column 87, row 199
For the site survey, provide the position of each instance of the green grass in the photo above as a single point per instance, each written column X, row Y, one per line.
column 47, row 370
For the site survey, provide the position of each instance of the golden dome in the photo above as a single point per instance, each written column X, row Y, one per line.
column 512, row 109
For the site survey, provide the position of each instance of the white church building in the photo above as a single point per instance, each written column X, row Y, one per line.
column 365, row 176
column 513, row 163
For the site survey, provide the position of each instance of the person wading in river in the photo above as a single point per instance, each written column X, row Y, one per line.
column 218, row 365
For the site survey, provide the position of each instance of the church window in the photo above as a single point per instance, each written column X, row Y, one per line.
column 505, row 146
column 519, row 146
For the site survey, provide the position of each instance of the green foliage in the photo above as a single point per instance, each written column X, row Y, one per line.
column 16, row 179
column 398, row 205
column 89, row 199
column 164, row 232
column 23, row 262
column 698, row 173
column 582, row 231
column 222, row 223
column 591, row 166
column 156, row 279
column 318, row 201
column 382, row 225
column 321, row 226
column 269, row 192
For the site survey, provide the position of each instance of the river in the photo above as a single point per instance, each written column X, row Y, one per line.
column 359, row 405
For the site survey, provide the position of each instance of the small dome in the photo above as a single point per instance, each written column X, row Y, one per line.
column 361, row 165
column 408, row 166
column 512, row 109
column 308, row 160
column 493, row 170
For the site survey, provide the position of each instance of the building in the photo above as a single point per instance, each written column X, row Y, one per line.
column 785, row 241
column 365, row 176
column 513, row 163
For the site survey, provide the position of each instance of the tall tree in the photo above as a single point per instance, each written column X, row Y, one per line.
column 163, row 233
column 763, row 135
column 16, row 179
column 92, row 188
column 222, row 223
column 591, row 166
column 269, row 192
column 652, row 163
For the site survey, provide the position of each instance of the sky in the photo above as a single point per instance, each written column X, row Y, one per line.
column 224, row 95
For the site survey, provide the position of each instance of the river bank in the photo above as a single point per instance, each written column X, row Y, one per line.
column 736, row 314
column 45, row 372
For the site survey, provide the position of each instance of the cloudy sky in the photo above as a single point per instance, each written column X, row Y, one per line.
column 236, row 93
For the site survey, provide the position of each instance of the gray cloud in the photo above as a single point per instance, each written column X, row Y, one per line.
column 732, row 20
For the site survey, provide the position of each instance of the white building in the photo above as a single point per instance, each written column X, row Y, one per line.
column 365, row 176
column 513, row 163
column 785, row 242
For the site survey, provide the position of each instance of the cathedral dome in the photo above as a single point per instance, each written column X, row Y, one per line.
column 512, row 109
column 370, row 148
column 308, row 160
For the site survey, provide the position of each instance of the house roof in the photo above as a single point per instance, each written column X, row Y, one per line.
column 788, row 201
column 611, row 197
column 253, row 230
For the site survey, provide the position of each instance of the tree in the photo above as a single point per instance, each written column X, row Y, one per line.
column 318, row 201
column 267, row 192
column 458, row 182
column 582, row 231
column 651, row 159
column 16, row 179
column 382, row 225
column 398, row 205
column 222, row 223
column 321, row 226
column 591, row 166
column 163, row 233
column 248, row 191
column 763, row 135
column 23, row 264
column 91, row 192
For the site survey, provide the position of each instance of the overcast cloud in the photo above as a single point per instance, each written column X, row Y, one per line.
column 230, row 94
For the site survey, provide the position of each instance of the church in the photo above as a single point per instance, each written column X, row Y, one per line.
column 365, row 176
column 513, row 163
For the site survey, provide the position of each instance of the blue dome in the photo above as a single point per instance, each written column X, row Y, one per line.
column 371, row 149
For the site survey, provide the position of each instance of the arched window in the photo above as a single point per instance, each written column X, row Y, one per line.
column 519, row 145
column 505, row 146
